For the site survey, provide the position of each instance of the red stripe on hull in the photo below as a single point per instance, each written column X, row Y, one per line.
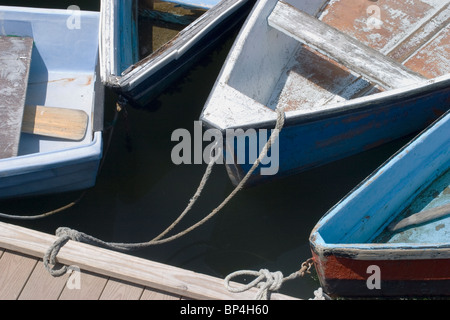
column 344, row 276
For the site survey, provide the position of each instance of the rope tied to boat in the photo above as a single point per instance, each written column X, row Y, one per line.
column 265, row 280
column 66, row 234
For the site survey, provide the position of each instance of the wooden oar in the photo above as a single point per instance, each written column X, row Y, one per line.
column 55, row 122
column 422, row 217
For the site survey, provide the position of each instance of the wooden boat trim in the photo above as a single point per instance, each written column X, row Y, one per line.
column 15, row 61
column 124, row 267
column 351, row 53
column 109, row 17
column 408, row 46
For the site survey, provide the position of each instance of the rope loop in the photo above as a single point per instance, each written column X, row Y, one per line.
column 265, row 280
column 50, row 257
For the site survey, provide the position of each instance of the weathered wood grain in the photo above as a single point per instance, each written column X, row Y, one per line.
column 342, row 48
column 421, row 217
column 90, row 287
column 55, row 122
column 121, row 290
column 120, row 266
column 151, row 294
column 15, row 60
column 422, row 35
column 14, row 272
column 42, row 286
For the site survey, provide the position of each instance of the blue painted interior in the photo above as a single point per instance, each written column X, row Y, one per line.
column 365, row 213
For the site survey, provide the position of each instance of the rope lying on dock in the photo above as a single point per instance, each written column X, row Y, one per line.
column 267, row 281
column 66, row 234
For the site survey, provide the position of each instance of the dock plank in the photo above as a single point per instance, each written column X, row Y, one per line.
column 42, row 286
column 90, row 287
column 176, row 281
column 15, row 61
column 15, row 271
column 121, row 290
column 153, row 294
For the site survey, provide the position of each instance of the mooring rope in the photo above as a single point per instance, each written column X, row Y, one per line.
column 265, row 280
column 66, row 234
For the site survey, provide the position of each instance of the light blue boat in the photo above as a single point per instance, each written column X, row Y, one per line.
column 63, row 74
column 390, row 236
column 141, row 76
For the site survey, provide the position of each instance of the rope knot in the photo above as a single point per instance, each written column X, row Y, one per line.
column 70, row 233
column 64, row 234
column 273, row 280
column 265, row 281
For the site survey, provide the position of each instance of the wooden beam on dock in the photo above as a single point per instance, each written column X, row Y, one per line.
column 123, row 267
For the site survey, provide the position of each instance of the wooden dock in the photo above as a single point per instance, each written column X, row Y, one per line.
column 98, row 274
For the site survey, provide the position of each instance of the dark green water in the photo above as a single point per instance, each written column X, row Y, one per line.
column 140, row 191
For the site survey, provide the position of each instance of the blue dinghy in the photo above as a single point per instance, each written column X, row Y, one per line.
column 345, row 80
column 62, row 92
column 390, row 236
column 146, row 45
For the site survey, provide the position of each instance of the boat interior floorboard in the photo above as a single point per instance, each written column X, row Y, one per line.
column 435, row 195
column 416, row 35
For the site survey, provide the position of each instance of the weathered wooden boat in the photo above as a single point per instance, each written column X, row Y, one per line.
column 349, row 75
column 51, row 101
column 146, row 45
column 390, row 235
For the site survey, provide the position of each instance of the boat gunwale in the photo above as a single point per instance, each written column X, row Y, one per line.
column 38, row 10
column 31, row 161
column 172, row 50
column 293, row 117
column 359, row 104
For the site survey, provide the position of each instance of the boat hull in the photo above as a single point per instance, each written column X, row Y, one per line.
column 64, row 73
column 330, row 113
column 356, row 243
column 348, row 277
column 54, row 172
column 151, row 86
column 309, row 142
column 144, row 80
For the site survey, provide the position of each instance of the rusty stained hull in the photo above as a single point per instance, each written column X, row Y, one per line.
column 342, row 276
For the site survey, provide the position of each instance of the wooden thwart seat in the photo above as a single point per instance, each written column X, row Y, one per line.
column 15, row 60
column 55, row 122
column 351, row 53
